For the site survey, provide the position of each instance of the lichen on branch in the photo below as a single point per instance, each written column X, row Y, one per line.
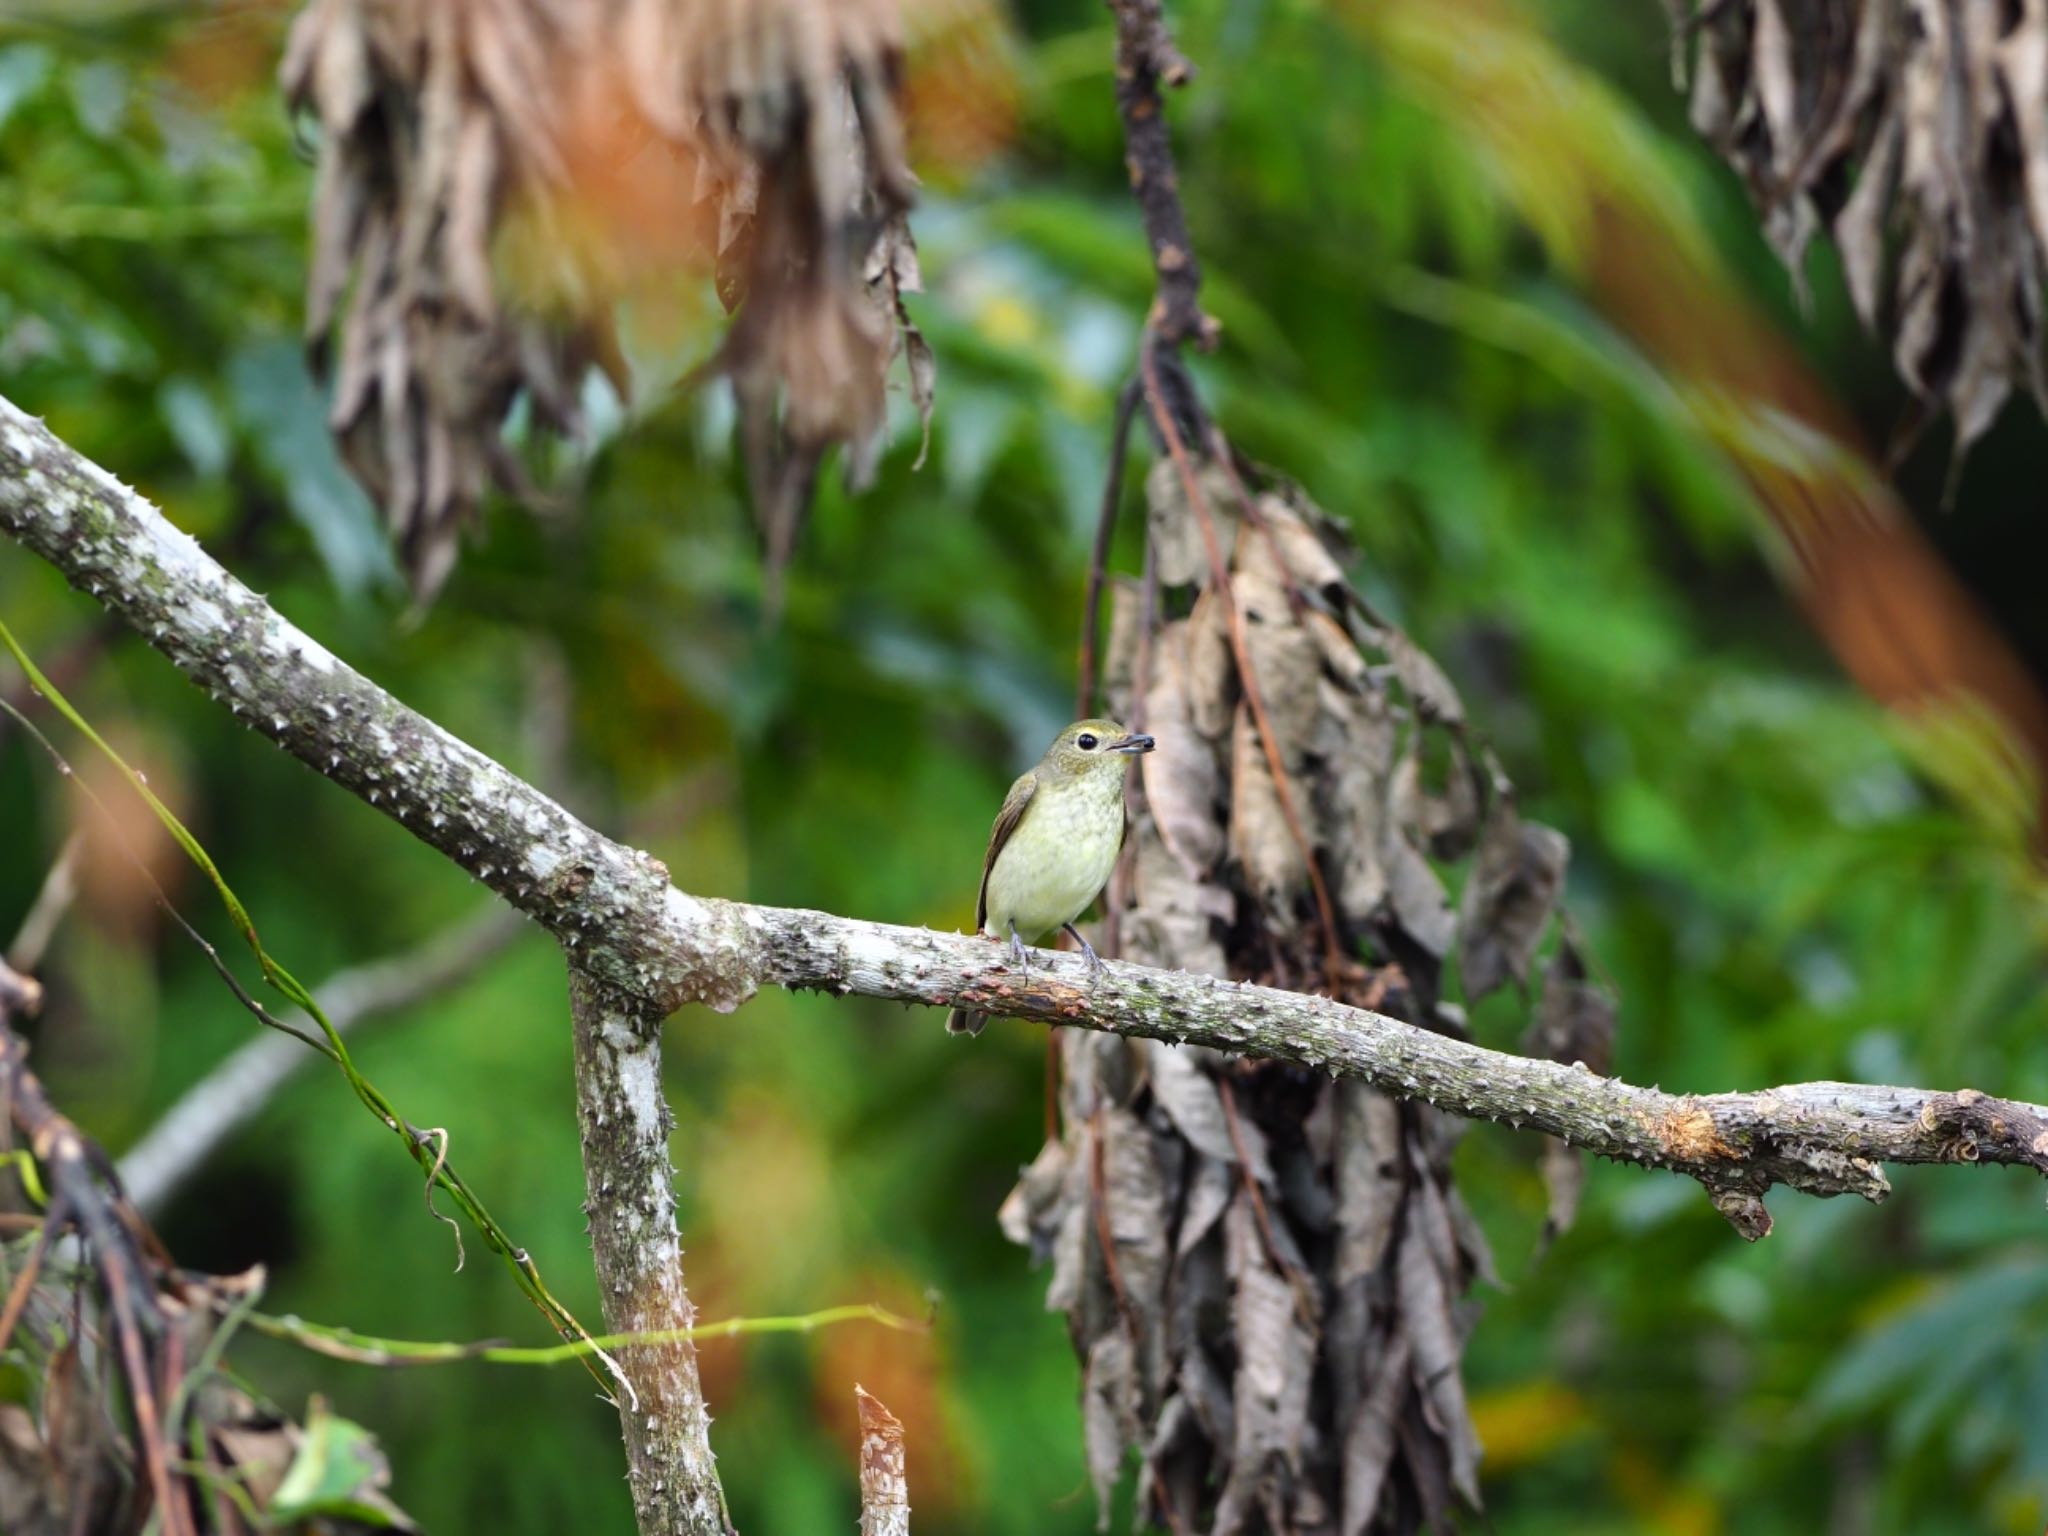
column 626, row 928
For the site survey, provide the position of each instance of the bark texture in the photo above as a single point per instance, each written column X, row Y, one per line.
column 625, row 1125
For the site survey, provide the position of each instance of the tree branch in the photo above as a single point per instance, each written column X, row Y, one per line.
column 625, row 1123
column 645, row 948
column 1146, row 57
column 113, row 545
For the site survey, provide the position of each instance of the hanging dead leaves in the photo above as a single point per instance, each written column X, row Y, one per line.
column 495, row 175
column 1916, row 132
column 1265, row 1269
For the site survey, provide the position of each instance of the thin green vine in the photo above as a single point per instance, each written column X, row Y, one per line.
column 433, row 1163
column 366, row 1349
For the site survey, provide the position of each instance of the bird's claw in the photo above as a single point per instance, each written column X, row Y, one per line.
column 1017, row 952
column 1088, row 950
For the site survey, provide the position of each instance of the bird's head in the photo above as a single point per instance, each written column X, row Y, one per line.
column 1093, row 746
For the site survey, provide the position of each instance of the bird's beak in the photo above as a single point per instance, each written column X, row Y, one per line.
column 1133, row 745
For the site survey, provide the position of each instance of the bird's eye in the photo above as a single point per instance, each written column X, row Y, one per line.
column 1086, row 741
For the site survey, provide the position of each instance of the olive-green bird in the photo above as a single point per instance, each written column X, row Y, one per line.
column 1055, row 841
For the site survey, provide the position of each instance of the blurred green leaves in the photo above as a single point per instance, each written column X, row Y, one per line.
column 284, row 422
column 1778, row 889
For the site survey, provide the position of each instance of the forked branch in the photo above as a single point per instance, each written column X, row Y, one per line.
column 652, row 948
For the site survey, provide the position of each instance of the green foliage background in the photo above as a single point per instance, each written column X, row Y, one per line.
column 1773, row 889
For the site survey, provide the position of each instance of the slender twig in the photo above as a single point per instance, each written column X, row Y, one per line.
column 329, row 1042
column 1105, row 1235
column 1304, row 1294
column 1117, row 899
column 1146, row 58
column 25, row 1282
column 53, row 900
column 83, row 1199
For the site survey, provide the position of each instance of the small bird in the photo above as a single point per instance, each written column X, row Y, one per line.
column 1055, row 841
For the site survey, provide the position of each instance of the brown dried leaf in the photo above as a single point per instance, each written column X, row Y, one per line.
column 1575, row 1020
column 1286, row 662
column 1415, row 894
column 1179, row 775
column 1355, row 741
column 1275, row 1365
column 1291, row 549
column 1120, row 645
column 1189, row 1096
column 1370, row 1178
column 471, row 234
column 1514, row 887
column 1029, row 1215
column 1429, row 690
column 1208, row 1196
column 1260, row 839
column 1109, row 1416
column 1922, row 118
column 1432, row 1332
column 1341, row 656
column 1450, row 818
column 1134, row 1204
column 1859, row 227
column 1173, row 920
column 1211, row 666
column 1564, row 1181
column 1180, row 554
column 1371, row 1437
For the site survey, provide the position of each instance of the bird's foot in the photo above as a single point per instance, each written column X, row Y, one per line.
column 1087, row 949
column 1017, row 952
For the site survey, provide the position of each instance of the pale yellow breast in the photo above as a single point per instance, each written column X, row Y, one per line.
column 1059, row 857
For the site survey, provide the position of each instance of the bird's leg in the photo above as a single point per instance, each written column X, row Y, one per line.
column 1017, row 951
column 1094, row 960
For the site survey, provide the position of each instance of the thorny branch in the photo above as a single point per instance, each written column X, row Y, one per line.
column 545, row 862
column 656, row 948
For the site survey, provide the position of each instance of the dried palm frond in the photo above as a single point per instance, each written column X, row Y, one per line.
column 1264, row 1268
column 495, row 173
column 1916, row 133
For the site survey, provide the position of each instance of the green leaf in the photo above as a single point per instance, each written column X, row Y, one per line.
column 338, row 1471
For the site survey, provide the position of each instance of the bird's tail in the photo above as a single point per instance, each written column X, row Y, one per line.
column 962, row 1022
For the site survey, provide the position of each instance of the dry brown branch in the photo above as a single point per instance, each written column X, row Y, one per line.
column 85, row 1198
column 884, row 1486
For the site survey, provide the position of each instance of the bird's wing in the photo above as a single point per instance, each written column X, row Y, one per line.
column 1006, row 822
